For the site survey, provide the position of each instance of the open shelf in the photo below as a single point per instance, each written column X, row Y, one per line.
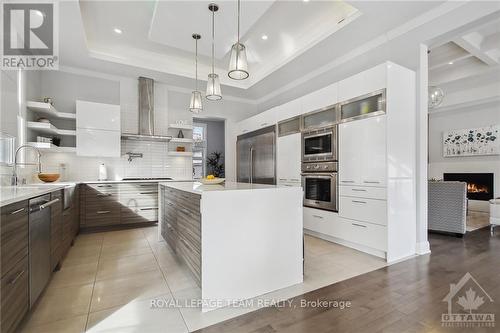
column 181, row 140
column 52, row 148
column 48, row 128
column 180, row 126
column 48, row 109
column 180, row 153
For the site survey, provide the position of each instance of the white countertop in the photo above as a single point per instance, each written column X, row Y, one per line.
column 12, row 194
column 199, row 188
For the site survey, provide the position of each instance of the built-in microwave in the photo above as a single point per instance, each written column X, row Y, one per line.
column 320, row 145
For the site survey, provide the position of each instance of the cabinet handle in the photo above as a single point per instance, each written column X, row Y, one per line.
column 347, row 181
column 154, row 192
column 318, row 217
column 18, row 276
column 145, row 184
column 149, row 208
column 358, row 225
column 48, row 204
column 360, row 202
column 104, row 185
column 17, row 211
column 104, row 195
column 371, row 182
column 358, row 190
column 283, row 179
column 103, row 212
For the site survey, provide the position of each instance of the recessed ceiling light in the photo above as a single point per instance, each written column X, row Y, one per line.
column 305, row 0
column 450, row 63
column 39, row 13
column 118, row 31
column 264, row 37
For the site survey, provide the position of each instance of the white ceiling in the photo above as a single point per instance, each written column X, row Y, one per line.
column 157, row 35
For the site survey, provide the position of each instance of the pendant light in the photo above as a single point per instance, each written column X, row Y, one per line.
column 195, row 106
column 238, row 66
column 213, row 82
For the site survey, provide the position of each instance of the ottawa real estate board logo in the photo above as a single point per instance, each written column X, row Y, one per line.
column 469, row 305
column 29, row 36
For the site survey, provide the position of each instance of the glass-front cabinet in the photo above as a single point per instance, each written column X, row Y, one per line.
column 363, row 106
column 320, row 118
column 289, row 126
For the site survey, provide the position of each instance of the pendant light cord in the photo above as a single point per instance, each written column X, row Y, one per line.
column 213, row 39
column 238, row 21
column 196, row 63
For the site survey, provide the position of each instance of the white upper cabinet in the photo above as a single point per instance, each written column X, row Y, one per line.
column 97, row 129
column 97, row 116
column 320, row 98
column 261, row 120
column 363, row 83
column 288, row 158
column 362, row 152
column 288, row 110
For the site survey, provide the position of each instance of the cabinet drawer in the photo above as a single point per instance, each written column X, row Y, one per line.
column 361, row 209
column 15, row 296
column 319, row 220
column 367, row 234
column 138, row 215
column 169, row 234
column 14, row 234
column 363, row 192
column 92, row 189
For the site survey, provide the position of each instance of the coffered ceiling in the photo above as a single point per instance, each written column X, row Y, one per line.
column 157, row 34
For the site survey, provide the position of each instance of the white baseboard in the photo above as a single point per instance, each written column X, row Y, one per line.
column 355, row 246
column 423, row 248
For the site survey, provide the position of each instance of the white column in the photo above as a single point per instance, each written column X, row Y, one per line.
column 422, row 151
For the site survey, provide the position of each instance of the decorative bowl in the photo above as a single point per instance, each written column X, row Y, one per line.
column 48, row 177
column 214, row 181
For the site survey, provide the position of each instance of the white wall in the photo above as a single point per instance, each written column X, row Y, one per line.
column 478, row 116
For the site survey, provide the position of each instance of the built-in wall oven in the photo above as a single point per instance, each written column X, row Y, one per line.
column 319, row 181
column 320, row 145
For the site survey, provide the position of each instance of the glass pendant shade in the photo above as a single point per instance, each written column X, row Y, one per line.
column 213, row 87
column 195, row 106
column 238, row 66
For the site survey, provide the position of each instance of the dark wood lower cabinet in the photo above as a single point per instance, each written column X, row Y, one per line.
column 181, row 227
column 14, row 292
column 15, row 296
column 118, row 204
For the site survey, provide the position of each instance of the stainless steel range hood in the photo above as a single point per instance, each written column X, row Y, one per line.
column 146, row 114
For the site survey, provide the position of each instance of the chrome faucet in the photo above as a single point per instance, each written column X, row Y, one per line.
column 14, row 180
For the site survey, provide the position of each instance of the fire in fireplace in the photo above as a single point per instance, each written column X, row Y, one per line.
column 479, row 185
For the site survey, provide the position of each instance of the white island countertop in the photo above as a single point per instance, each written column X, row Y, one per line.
column 199, row 188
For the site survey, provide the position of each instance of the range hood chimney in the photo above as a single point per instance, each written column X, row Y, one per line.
column 146, row 114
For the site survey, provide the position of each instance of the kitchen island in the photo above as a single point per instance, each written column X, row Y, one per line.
column 239, row 240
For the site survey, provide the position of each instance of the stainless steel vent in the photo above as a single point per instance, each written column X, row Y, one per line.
column 146, row 114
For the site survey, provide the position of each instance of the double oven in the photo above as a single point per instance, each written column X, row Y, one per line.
column 319, row 168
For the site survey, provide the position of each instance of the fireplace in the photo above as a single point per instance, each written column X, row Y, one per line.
column 479, row 185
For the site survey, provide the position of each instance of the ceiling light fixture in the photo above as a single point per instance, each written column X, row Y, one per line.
column 213, row 84
column 195, row 106
column 238, row 65
column 450, row 63
column 264, row 37
column 118, row 31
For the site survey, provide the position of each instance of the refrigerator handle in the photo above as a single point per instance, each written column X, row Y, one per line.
column 251, row 165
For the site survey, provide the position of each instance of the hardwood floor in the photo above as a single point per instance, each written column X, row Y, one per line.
column 404, row 297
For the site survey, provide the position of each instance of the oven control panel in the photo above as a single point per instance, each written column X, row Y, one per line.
column 320, row 167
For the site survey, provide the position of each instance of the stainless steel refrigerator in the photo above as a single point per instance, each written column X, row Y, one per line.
column 256, row 152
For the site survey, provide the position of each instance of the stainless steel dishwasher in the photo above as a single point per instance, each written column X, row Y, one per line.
column 39, row 244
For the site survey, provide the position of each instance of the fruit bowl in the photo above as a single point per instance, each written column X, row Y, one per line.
column 48, row 177
column 213, row 181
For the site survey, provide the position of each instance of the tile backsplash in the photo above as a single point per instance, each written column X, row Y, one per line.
column 154, row 163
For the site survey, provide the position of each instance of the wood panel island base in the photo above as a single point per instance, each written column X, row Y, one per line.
column 248, row 248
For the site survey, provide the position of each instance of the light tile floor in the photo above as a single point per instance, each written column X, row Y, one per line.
column 108, row 280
